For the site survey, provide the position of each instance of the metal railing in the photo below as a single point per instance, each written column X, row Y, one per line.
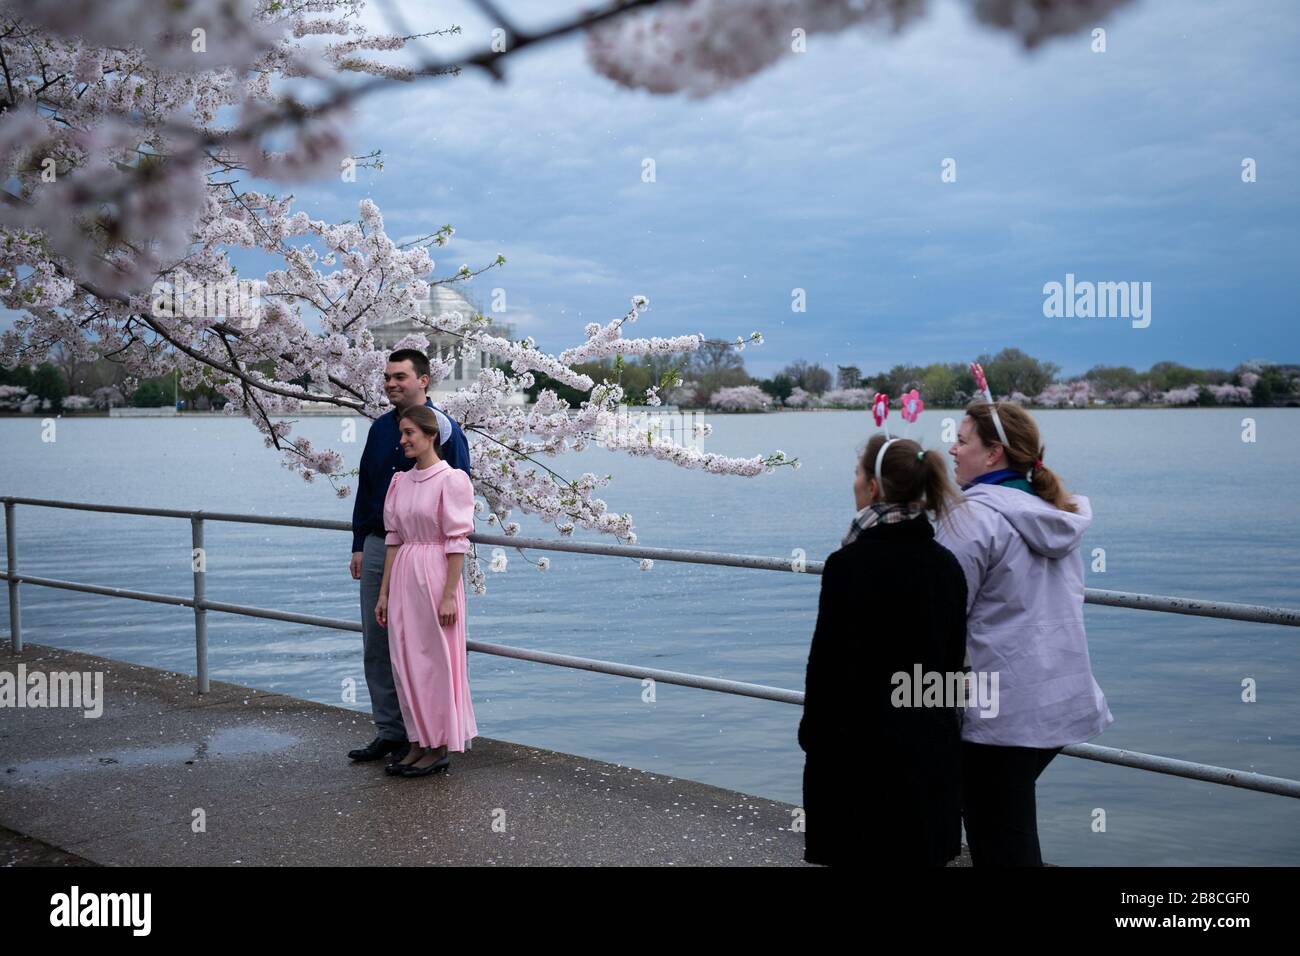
column 1148, row 602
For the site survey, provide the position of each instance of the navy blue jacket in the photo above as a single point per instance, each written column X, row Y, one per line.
column 383, row 456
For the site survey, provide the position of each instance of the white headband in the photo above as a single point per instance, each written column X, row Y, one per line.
column 981, row 383
column 880, row 456
column 997, row 423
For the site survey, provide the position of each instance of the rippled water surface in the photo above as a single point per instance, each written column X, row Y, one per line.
column 1182, row 506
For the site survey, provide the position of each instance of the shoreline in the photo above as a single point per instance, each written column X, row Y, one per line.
column 153, row 413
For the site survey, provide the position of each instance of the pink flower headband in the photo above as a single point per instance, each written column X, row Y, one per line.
column 982, row 384
column 880, row 411
column 911, row 403
column 912, row 406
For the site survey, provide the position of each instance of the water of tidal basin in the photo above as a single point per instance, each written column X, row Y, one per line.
column 1183, row 506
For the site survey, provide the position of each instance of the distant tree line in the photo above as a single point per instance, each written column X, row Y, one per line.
column 69, row 384
column 716, row 376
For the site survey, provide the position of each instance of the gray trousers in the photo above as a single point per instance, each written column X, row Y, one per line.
column 379, row 666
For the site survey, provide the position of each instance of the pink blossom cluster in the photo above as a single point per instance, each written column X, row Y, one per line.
column 846, row 398
column 798, row 398
column 702, row 46
column 1076, row 394
column 741, row 398
column 1231, row 394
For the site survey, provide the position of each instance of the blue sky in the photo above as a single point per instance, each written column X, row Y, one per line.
column 823, row 173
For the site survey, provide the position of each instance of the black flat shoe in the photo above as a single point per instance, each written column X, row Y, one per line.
column 396, row 768
column 379, row 747
column 442, row 763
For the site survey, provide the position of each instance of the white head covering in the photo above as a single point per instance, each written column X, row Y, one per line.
column 444, row 425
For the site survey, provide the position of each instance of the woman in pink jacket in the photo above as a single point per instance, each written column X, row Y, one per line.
column 1017, row 537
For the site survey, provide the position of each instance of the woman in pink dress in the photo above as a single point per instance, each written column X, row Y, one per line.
column 428, row 514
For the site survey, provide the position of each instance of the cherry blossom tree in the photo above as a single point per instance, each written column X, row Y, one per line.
column 12, row 397
column 141, row 142
column 741, row 398
column 847, row 398
column 1188, row 395
column 1076, row 394
column 132, row 198
column 1231, row 394
column 798, row 398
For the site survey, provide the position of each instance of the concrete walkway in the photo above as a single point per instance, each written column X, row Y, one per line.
column 271, row 777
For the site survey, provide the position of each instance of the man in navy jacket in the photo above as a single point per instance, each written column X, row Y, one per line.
column 405, row 381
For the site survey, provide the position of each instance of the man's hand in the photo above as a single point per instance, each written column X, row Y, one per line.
column 355, row 565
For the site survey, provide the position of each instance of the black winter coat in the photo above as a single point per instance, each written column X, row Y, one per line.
column 882, row 783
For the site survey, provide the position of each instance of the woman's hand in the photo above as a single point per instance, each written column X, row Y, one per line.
column 381, row 609
column 447, row 610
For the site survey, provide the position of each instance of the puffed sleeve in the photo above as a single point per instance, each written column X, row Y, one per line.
column 456, row 511
column 390, row 511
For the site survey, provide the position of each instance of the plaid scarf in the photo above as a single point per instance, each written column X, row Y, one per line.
column 880, row 513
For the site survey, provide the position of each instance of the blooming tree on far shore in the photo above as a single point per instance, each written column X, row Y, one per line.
column 741, row 398
column 1080, row 394
column 1076, row 394
column 12, row 397
column 1231, row 394
column 798, row 398
column 847, row 398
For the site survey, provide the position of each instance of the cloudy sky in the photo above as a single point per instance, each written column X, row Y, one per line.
column 823, row 173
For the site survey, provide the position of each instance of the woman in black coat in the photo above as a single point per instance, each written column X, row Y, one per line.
column 882, row 779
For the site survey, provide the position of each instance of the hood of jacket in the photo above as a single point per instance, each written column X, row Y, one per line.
column 1045, row 528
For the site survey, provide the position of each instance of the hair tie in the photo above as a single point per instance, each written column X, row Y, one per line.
column 920, row 454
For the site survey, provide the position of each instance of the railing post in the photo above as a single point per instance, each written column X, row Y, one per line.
column 11, row 556
column 199, row 561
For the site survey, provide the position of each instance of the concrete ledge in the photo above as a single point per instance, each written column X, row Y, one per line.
column 270, row 774
column 19, row 850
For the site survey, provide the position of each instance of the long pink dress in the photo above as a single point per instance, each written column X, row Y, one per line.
column 429, row 512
